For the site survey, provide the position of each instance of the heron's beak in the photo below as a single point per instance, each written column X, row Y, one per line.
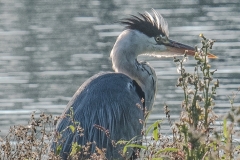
column 180, row 48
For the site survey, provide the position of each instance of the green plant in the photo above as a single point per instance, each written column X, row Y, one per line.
column 195, row 136
column 197, row 115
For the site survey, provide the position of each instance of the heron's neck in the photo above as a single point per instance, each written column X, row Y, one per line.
column 124, row 56
column 124, row 59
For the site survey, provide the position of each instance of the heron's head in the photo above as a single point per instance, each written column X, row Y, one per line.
column 148, row 34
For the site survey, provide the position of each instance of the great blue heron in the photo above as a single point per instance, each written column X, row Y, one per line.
column 117, row 101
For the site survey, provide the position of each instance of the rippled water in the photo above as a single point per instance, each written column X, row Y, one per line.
column 49, row 48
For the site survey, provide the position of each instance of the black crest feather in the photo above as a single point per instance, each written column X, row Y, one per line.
column 150, row 25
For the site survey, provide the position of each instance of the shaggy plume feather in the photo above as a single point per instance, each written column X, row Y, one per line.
column 150, row 25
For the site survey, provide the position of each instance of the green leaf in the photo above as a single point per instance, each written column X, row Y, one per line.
column 72, row 128
column 155, row 131
column 237, row 147
column 128, row 142
column 168, row 149
column 59, row 149
column 152, row 126
column 225, row 131
column 75, row 148
column 133, row 146
column 124, row 150
column 122, row 142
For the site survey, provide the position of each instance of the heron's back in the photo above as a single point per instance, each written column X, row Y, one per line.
column 109, row 100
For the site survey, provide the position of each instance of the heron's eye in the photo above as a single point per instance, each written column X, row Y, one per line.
column 157, row 39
